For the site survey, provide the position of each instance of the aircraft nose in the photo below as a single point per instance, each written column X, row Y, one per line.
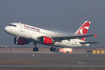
column 6, row 29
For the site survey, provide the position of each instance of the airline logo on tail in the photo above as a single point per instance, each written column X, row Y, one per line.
column 83, row 29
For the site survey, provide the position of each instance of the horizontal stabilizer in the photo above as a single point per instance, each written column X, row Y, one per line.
column 89, row 42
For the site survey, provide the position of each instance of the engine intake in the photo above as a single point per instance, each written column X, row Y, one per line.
column 20, row 41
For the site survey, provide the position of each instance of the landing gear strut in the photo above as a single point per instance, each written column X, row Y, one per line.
column 35, row 48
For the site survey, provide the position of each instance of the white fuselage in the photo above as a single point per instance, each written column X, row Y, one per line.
column 30, row 32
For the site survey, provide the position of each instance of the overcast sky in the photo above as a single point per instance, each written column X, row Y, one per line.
column 58, row 15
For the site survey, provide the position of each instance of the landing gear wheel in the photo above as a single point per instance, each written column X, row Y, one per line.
column 52, row 49
column 35, row 49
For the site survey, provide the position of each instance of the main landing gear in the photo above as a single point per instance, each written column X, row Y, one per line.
column 52, row 48
column 35, row 48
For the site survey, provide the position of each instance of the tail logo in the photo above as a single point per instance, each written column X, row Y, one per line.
column 83, row 29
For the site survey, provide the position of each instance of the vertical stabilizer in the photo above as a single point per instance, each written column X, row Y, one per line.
column 83, row 29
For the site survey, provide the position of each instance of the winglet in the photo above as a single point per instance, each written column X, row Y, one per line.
column 95, row 35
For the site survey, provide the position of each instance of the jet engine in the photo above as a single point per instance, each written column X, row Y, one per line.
column 20, row 41
column 46, row 40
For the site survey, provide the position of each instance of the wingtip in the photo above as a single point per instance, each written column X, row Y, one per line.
column 95, row 35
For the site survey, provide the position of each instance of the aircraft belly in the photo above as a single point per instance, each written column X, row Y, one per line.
column 65, row 45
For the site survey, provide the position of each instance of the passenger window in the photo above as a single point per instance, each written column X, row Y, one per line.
column 15, row 25
column 10, row 25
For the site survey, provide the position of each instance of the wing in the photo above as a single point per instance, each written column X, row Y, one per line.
column 70, row 37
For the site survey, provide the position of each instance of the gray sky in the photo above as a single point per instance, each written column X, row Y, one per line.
column 58, row 15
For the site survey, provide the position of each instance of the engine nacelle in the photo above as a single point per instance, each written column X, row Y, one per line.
column 20, row 41
column 46, row 40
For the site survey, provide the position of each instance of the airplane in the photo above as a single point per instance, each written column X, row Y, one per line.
column 24, row 34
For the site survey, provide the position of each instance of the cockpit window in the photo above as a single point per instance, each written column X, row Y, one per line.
column 12, row 25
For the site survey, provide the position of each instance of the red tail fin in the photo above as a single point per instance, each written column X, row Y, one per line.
column 83, row 29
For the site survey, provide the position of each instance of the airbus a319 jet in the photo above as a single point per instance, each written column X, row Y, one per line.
column 24, row 34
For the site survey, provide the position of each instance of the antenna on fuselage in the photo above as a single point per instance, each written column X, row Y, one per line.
column 19, row 22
